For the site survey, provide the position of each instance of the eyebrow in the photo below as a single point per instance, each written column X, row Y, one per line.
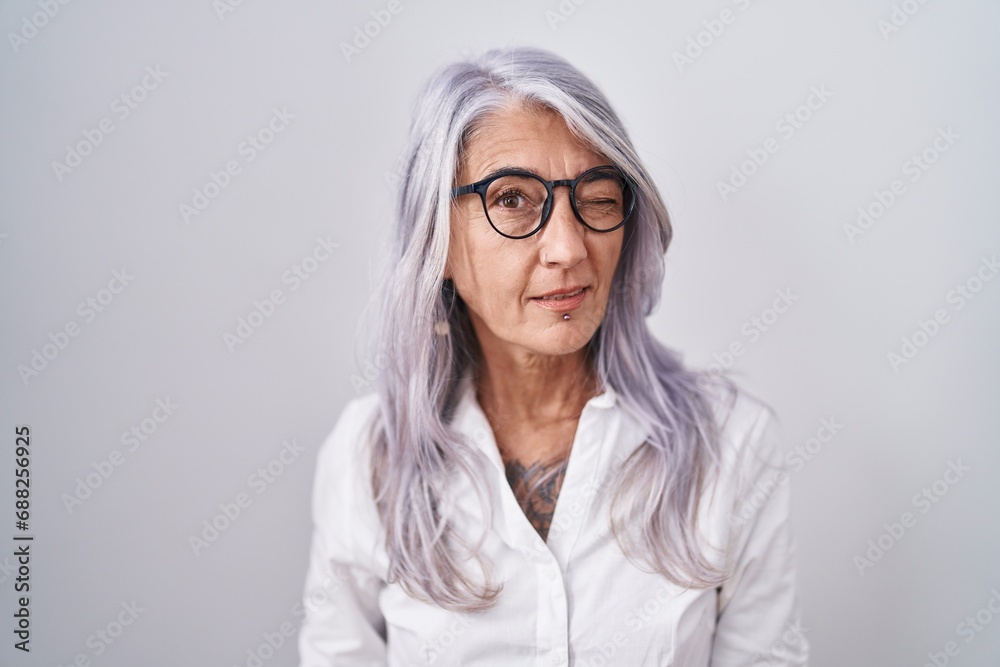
column 505, row 171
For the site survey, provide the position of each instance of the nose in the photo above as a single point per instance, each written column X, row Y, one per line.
column 561, row 240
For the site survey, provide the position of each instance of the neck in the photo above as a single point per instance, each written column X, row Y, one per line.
column 534, row 390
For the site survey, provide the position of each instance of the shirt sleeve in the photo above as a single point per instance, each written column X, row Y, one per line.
column 342, row 624
column 759, row 616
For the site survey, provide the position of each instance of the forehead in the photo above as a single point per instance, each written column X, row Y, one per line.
column 529, row 137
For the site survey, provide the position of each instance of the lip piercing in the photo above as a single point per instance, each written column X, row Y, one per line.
column 566, row 316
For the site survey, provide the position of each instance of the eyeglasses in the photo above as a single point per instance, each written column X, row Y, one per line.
column 518, row 203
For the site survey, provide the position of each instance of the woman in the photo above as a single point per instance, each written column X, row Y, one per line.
column 537, row 480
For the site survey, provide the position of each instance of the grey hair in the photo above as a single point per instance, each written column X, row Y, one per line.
column 654, row 511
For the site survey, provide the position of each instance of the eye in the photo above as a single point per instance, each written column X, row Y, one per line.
column 515, row 194
column 510, row 199
column 602, row 189
column 607, row 201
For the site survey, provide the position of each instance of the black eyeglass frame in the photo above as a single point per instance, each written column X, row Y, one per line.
column 480, row 188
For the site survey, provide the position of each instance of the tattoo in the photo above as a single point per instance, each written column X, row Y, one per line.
column 536, row 489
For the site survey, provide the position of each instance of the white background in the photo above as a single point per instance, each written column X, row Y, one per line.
column 330, row 174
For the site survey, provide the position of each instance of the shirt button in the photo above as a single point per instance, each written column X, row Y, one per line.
column 552, row 573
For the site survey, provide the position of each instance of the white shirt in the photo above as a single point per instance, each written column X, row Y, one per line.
column 574, row 599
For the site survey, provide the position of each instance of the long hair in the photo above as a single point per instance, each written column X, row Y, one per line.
column 654, row 511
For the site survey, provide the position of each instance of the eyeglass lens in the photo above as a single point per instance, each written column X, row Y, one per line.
column 514, row 203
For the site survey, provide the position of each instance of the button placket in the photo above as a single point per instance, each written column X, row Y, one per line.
column 555, row 604
column 549, row 560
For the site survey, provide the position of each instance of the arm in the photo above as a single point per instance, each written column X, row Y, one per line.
column 342, row 624
column 759, row 619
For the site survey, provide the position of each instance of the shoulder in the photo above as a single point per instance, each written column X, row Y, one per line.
column 746, row 424
column 342, row 502
column 350, row 436
column 748, row 490
column 749, row 439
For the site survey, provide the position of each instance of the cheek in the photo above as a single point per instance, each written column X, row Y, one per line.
column 607, row 256
column 490, row 276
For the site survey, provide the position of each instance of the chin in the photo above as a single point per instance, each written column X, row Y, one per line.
column 563, row 338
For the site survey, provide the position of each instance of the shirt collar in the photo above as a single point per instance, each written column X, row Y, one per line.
column 470, row 419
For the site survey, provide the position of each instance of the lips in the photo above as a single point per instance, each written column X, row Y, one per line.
column 563, row 299
column 561, row 296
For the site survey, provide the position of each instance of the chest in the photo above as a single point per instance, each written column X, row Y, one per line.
column 593, row 608
column 535, row 462
column 572, row 598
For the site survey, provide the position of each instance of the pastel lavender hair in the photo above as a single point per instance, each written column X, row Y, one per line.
column 415, row 450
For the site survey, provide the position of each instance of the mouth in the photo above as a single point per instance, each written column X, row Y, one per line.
column 562, row 301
